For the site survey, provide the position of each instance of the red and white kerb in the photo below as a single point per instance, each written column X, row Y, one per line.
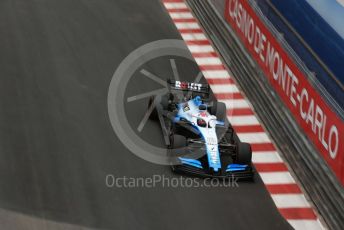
column 284, row 190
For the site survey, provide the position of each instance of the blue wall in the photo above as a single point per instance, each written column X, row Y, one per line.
column 319, row 35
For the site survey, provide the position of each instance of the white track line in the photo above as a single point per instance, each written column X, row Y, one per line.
column 243, row 120
column 290, row 201
column 215, row 74
column 252, row 138
column 277, row 178
column 208, row 61
column 236, row 103
column 181, row 15
column 175, row 5
column 266, row 157
column 193, row 36
column 225, row 88
column 200, row 48
column 187, row 25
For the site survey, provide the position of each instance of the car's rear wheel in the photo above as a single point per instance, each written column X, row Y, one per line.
column 219, row 110
column 178, row 141
column 226, row 136
column 164, row 102
column 244, row 155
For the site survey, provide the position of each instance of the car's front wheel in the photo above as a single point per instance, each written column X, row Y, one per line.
column 178, row 141
column 244, row 155
column 219, row 110
column 164, row 102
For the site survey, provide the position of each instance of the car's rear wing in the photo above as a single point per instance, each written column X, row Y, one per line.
column 188, row 86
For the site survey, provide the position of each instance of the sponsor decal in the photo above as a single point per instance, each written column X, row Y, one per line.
column 186, row 107
column 203, row 114
column 188, row 86
column 319, row 122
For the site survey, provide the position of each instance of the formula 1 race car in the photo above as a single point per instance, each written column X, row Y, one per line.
column 200, row 140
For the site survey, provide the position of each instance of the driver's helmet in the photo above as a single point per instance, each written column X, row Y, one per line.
column 201, row 122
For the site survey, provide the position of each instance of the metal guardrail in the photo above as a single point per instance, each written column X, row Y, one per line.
column 310, row 75
column 305, row 44
column 317, row 179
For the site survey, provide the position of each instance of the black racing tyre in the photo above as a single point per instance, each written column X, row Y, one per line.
column 154, row 114
column 227, row 136
column 178, row 141
column 164, row 102
column 219, row 110
column 244, row 153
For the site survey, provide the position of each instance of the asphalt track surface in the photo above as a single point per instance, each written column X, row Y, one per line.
column 57, row 58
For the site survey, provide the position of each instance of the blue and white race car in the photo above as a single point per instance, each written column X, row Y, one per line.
column 200, row 140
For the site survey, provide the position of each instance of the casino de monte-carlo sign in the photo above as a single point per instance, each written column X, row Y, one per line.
column 322, row 125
